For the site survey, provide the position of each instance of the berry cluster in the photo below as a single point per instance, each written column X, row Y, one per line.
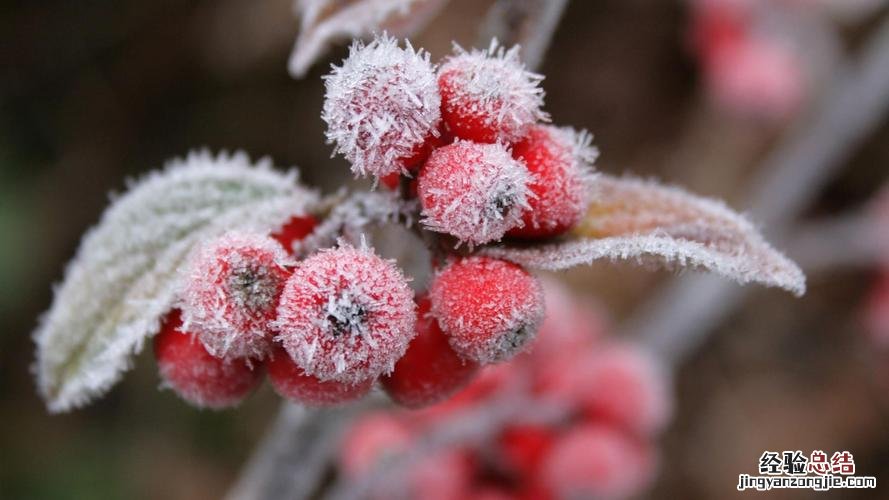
column 616, row 403
column 467, row 138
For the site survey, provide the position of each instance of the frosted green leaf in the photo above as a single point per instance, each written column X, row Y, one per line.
column 124, row 276
column 633, row 219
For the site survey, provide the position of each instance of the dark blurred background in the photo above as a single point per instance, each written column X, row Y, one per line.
column 93, row 92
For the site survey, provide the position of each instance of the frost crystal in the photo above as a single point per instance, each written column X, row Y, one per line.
column 381, row 106
column 635, row 219
column 231, row 294
column 346, row 315
column 488, row 95
column 474, row 192
column 124, row 276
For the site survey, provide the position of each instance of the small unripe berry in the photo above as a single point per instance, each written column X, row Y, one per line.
column 489, row 96
column 291, row 382
column 195, row 375
column 560, row 160
column 346, row 314
column 489, row 308
column 595, row 461
column 474, row 192
column 381, row 106
column 230, row 294
column 373, row 439
column 430, row 370
column 294, row 230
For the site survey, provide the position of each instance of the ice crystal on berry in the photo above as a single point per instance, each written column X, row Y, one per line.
column 381, row 106
column 488, row 95
column 474, row 192
column 231, row 292
column 346, row 315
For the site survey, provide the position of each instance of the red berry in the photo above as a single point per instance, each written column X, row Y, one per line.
column 195, row 375
column 617, row 384
column 445, row 475
column 489, row 308
column 231, row 294
column 294, row 230
column 370, row 441
column 430, row 370
column 595, row 461
column 381, row 106
column 346, row 315
column 489, row 96
column 291, row 382
column 523, row 447
column 474, row 192
column 569, row 326
column 560, row 160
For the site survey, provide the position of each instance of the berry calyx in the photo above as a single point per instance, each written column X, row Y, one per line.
column 430, row 370
column 474, row 192
column 560, row 160
column 291, row 382
column 381, row 106
column 197, row 376
column 346, row 314
column 489, row 96
column 489, row 308
column 230, row 295
column 295, row 229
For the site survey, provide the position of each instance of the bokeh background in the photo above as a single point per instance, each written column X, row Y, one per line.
column 94, row 92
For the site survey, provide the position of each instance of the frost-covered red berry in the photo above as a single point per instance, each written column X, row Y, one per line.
column 197, row 376
column 294, row 230
column 346, row 314
column 596, row 461
column 474, row 192
column 291, row 382
column 560, row 160
column 489, row 96
column 489, row 308
column 230, row 294
column 382, row 106
column 372, row 440
column 430, row 370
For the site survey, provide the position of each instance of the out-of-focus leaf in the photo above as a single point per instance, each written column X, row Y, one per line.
column 642, row 220
column 124, row 276
column 326, row 21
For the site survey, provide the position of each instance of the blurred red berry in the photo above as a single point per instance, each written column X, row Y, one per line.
column 430, row 370
column 373, row 439
column 524, row 446
column 596, row 461
column 489, row 308
column 195, row 375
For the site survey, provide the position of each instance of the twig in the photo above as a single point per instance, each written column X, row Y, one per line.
column 678, row 318
column 849, row 240
column 292, row 456
column 529, row 23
